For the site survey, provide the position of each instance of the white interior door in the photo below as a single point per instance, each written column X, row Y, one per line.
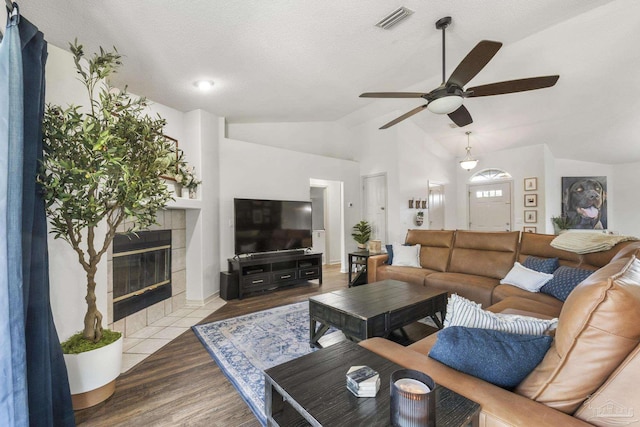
column 374, row 189
column 490, row 207
column 436, row 207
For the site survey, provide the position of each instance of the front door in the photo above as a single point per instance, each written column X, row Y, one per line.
column 490, row 206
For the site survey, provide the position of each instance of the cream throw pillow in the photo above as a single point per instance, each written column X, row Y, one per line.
column 525, row 278
column 406, row 256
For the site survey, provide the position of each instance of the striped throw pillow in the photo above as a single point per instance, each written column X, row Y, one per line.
column 463, row 312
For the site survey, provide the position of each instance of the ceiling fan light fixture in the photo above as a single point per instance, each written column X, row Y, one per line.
column 468, row 162
column 445, row 105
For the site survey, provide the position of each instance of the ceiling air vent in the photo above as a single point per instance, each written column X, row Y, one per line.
column 394, row 17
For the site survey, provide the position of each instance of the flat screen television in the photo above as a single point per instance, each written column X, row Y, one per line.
column 271, row 225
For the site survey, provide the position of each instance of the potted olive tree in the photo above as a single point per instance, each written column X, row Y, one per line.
column 361, row 233
column 102, row 163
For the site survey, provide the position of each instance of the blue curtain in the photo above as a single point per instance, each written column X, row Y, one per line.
column 13, row 391
column 47, row 401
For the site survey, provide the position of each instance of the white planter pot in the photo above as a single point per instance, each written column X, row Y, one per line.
column 92, row 374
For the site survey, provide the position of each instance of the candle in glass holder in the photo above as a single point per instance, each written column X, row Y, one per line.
column 413, row 399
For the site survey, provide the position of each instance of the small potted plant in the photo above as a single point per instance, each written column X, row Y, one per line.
column 561, row 223
column 361, row 233
column 102, row 163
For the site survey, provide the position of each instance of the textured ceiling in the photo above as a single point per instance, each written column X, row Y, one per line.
column 286, row 60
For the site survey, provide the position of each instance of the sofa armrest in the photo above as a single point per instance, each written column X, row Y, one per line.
column 500, row 407
column 372, row 266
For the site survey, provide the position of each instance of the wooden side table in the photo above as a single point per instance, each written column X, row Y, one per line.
column 359, row 259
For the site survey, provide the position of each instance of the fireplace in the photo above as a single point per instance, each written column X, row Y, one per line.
column 141, row 271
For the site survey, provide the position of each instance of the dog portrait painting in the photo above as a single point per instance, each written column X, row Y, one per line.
column 584, row 202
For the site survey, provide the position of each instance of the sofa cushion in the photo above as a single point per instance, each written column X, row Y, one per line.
column 526, row 307
column 415, row 276
column 476, row 288
column 462, row 312
column 599, row 326
column 525, row 278
column 484, row 254
column 543, row 265
column 539, row 245
column 565, row 279
column 502, row 292
column 435, row 247
column 406, row 256
column 501, row 358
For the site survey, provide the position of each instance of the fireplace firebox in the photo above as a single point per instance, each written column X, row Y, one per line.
column 141, row 271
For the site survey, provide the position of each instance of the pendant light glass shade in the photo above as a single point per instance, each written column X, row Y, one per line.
column 468, row 162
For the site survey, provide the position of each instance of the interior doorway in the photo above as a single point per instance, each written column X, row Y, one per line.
column 490, row 206
column 374, row 201
column 327, row 219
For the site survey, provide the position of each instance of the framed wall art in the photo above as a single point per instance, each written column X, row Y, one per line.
column 530, row 200
column 530, row 184
column 584, row 202
column 530, row 216
column 529, row 229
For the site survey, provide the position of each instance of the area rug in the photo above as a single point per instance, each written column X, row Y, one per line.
column 244, row 347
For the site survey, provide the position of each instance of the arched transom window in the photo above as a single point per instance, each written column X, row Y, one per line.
column 490, row 175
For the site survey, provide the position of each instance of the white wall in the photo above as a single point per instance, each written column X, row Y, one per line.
column 411, row 159
column 624, row 219
column 323, row 138
column 249, row 170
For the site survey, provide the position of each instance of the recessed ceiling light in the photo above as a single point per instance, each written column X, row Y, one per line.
column 203, row 85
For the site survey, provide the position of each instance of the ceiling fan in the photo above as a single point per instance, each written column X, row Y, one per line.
column 447, row 98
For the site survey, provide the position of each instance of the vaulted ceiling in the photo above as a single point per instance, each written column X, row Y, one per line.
column 287, row 61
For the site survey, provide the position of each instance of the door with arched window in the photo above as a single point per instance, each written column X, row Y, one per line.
column 490, row 207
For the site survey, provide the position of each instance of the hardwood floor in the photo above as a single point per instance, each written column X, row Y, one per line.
column 181, row 385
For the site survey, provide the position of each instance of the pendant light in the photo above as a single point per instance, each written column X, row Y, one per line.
column 468, row 162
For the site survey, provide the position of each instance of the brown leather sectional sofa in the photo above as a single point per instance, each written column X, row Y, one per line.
column 590, row 374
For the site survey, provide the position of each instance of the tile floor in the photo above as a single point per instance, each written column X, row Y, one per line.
column 141, row 344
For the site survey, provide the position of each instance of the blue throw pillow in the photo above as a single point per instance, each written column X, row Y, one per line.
column 565, row 279
column 543, row 265
column 501, row 358
column 390, row 253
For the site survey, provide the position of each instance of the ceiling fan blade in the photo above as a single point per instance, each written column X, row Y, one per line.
column 511, row 86
column 404, row 116
column 461, row 116
column 474, row 62
column 392, row 95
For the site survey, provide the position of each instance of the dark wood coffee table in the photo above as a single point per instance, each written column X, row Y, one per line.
column 374, row 310
column 311, row 390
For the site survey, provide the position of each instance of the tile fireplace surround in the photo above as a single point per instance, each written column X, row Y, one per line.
column 149, row 329
column 174, row 220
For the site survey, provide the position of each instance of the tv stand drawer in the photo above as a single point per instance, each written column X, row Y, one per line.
column 283, row 276
column 310, row 273
column 256, row 281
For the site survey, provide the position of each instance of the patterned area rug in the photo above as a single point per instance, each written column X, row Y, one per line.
column 244, row 347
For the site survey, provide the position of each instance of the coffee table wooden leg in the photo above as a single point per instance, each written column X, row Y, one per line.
column 314, row 335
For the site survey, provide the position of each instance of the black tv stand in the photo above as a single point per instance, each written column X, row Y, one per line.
column 272, row 270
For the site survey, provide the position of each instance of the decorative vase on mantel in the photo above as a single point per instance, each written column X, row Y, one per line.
column 193, row 193
column 185, row 193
